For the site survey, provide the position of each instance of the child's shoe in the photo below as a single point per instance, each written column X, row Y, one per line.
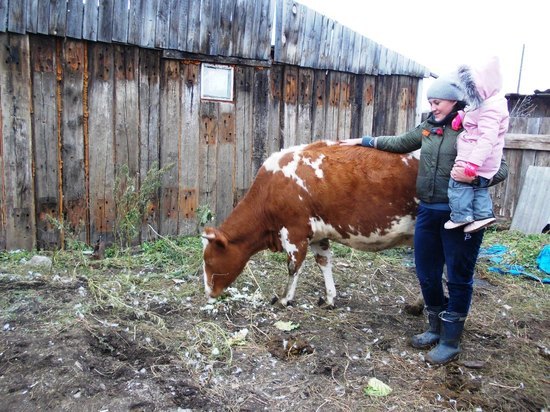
column 449, row 224
column 478, row 225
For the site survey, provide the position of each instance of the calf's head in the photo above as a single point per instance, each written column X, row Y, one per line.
column 223, row 262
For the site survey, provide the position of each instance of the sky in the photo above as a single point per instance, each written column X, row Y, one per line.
column 441, row 35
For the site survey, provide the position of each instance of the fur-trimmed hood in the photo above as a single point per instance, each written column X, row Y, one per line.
column 480, row 82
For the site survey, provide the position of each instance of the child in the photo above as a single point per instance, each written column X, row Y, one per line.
column 479, row 146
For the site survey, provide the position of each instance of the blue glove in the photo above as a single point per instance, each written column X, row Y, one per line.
column 367, row 141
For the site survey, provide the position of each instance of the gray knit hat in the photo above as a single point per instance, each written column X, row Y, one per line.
column 445, row 88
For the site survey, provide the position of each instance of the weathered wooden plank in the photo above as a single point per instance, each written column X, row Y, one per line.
column 342, row 52
column 344, row 107
column 260, row 106
column 126, row 108
column 101, row 136
column 149, row 123
column 247, row 30
column 58, row 17
column 106, row 20
column 239, row 22
column 183, row 31
column 319, row 104
column 532, row 213
column 280, row 11
column 356, row 101
column 206, row 27
column 225, row 46
column 305, row 95
column 290, row 110
column 385, row 115
column 176, row 22
column 327, row 26
column 126, row 114
column 225, row 164
column 214, row 38
column 75, row 18
column 43, row 12
column 367, row 111
column 314, row 41
column 335, row 47
column 402, row 104
column 355, row 59
column 89, row 24
column 170, row 137
column 120, row 23
column 135, row 21
column 244, row 82
column 273, row 143
column 251, row 34
column 32, row 15
column 193, row 21
column 148, row 24
column 47, row 141
column 527, row 141
column 267, row 13
column 208, row 155
column 295, row 15
column 306, row 37
column 543, row 157
column 3, row 203
column 75, row 195
column 17, row 16
column 4, row 16
column 189, row 160
column 162, row 25
column 333, row 104
column 18, row 207
column 514, row 160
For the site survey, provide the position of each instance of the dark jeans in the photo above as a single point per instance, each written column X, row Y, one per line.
column 435, row 246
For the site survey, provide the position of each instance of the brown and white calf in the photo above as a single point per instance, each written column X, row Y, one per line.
column 306, row 196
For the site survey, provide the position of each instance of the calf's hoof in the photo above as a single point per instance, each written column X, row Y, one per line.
column 322, row 302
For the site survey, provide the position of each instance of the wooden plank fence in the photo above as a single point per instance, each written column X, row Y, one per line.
column 89, row 88
column 527, row 144
column 79, row 111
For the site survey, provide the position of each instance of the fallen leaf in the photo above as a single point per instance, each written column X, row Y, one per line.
column 377, row 388
column 286, row 326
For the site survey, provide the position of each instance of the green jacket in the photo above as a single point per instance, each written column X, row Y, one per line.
column 437, row 157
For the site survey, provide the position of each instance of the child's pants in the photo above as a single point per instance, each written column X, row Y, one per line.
column 470, row 202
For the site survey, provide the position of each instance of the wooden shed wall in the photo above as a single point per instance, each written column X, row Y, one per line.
column 527, row 144
column 74, row 112
column 225, row 28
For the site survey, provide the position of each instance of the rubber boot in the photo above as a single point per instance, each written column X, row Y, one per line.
column 431, row 336
column 448, row 348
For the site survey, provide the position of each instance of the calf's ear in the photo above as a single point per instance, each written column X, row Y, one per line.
column 214, row 235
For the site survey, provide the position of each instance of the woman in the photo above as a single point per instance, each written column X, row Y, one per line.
column 435, row 246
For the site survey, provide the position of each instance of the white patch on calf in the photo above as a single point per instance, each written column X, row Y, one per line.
column 207, row 288
column 401, row 226
column 315, row 165
column 410, row 156
column 290, row 170
column 288, row 247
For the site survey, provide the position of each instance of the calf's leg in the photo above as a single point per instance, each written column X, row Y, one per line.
column 295, row 259
column 323, row 257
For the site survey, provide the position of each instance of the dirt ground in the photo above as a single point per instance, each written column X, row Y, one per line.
column 112, row 337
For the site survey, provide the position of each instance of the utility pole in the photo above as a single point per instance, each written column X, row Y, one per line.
column 521, row 66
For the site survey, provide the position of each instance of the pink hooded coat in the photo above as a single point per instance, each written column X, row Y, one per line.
column 486, row 117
